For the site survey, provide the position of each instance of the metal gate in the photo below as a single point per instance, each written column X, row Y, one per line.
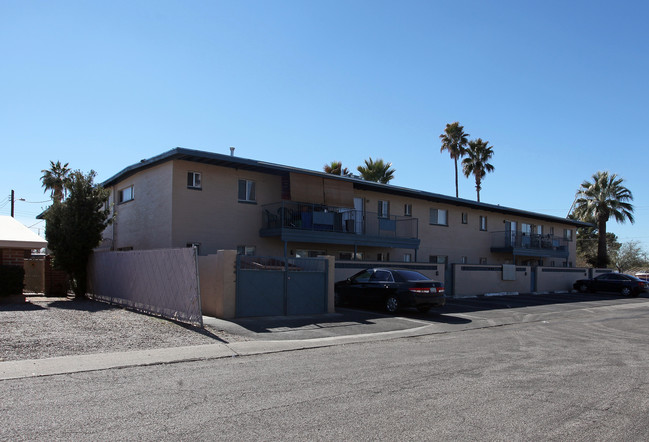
column 273, row 286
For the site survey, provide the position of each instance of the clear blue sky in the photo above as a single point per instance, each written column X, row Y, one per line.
column 560, row 89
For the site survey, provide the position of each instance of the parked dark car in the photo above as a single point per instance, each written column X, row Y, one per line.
column 626, row 285
column 391, row 289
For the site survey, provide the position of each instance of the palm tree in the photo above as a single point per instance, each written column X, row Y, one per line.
column 477, row 161
column 599, row 200
column 55, row 179
column 336, row 168
column 454, row 140
column 376, row 171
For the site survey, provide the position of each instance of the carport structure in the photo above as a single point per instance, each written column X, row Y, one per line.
column 16, row 240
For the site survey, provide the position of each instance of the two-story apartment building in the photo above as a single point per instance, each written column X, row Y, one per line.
column 212, row 201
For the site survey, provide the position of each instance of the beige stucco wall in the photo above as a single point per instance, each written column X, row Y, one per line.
column 551, row 279
column 217, row 275
column 213, row 216
column 165, row 213
column 469, row 281
column 457, row 240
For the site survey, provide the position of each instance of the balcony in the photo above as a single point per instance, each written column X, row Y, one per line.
column 316, row 223
column 525, row 244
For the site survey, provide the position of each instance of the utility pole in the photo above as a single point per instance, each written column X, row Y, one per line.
column 13, row 199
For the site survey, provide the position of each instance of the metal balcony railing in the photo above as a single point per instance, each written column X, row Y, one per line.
column 322, row 218
column 520, row 240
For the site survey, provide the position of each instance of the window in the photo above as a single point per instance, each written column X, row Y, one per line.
column 483, row 261
column 567, row 234
column 384, row 209
column 464, row 260
column 309, row 253
column 465, row 218
column 407, row 210
column 539, row 230
column 247, row 191
column 551, row 230
column 125, row 195
column 438, row 217
column 193, row 180
column 379, row 256
column 407, row 257
column 526, row 229
column 381, row 276
column 437, row 259
column 483, row 223
column 246, row 250
column 350, row 256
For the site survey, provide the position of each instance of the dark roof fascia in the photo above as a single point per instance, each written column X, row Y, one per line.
column 217, row 159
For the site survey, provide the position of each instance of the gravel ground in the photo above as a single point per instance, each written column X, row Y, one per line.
column 50, row 327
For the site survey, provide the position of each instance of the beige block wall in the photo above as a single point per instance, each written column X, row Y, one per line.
column 145, row 221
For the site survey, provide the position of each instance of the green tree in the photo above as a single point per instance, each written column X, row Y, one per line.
column 74, row 226
column 377, row 171
column 587, row 240
column 629, row 256
column 54, row 179
column 336, row 168
column 454, row 140
column 599, row 200
column 477, row 162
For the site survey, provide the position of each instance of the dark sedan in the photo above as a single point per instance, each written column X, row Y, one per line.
column 626, row 285
column 391, row 289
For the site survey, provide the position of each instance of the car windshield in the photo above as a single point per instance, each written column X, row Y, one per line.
column 410, row 275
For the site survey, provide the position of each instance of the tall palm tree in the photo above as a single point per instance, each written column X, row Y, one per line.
column 477, row 162
column 599, row 200
column 336, row 168
column 377, row 171
column 454, row 140
column 55, row 179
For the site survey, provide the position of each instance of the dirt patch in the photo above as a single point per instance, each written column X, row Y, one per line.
column 50, row 327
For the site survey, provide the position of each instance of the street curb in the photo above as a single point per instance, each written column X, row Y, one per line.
column 105, row 361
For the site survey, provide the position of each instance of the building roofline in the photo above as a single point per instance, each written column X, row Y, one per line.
column 180, row 153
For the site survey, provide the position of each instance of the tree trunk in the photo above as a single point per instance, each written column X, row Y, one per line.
column 602, row 256
column 457, row 195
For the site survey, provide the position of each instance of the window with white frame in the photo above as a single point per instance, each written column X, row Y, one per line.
column 384, row 209
column 465, row 218
column 539, row 230
column 483, row 223
column 247, row 191
column 483, row 261
column 193, row 180
column 126, row 194
column 407, row 210
column 439, row 217
column 464, row 259
column 407, row 257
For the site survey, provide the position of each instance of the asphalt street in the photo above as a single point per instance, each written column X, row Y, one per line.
column 515, row 370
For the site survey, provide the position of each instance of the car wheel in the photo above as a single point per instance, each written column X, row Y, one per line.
column 422, row 309
column 625, row 291
column 392, row 304
column 583, row 288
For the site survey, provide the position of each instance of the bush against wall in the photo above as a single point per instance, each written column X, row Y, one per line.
column 11, row 280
